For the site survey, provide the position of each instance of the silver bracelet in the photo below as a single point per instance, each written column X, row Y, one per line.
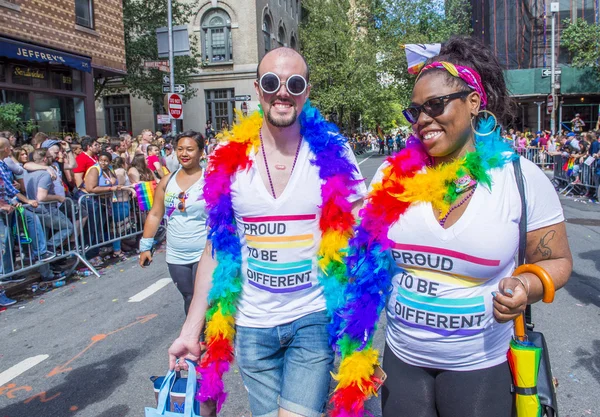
column 525, row 287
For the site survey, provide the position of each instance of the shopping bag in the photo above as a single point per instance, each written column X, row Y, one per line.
column 172, row 402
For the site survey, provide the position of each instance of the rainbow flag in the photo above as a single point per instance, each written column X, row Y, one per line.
column 418, row 53
column 145, row 194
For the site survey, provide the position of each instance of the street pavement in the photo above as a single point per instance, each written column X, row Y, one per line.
column 89, row 349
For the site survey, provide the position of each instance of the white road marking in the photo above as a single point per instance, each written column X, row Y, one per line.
column 18, row 369
column 360, row 163
column 142, row 295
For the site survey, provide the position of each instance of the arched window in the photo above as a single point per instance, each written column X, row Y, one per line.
column 281, row 36
column 267, row 32
column 293, row 42
column 216, row 37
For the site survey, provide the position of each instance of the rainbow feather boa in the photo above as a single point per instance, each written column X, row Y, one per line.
column 406, row 180
column 336, row 224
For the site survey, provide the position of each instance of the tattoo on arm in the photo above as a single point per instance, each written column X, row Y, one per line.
column 543, row 247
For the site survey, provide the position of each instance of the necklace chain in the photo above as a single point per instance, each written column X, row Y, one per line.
column 262, row 146
column 464, row 200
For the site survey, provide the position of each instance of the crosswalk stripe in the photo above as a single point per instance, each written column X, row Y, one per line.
column 23, row 366
column 142, row 295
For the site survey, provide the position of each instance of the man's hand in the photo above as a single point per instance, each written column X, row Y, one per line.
column 145, row 256
column 61, row 198
column 52, row 173
column 8, row 209
column 184, row 348
column 510, row 301
column 33, row 203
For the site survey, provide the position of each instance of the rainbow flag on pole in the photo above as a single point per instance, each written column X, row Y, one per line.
column 418, row 53
column 145, row 194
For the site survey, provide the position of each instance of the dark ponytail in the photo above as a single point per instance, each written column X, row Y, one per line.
column 470, row 52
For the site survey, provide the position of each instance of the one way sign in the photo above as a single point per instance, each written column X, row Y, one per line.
column 179, row 89
column 548, row 72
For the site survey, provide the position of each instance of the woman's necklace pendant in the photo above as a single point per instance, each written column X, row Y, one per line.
column 464, row 183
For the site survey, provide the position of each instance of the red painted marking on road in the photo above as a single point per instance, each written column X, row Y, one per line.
column 95, row 339
column 42, row 397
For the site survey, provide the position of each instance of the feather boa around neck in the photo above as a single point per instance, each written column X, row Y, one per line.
column 406, row 180
column 336, row 222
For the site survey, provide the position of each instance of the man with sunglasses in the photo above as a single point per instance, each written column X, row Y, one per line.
column 282, row 342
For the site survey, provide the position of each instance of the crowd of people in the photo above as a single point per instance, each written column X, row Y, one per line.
column 39, row 175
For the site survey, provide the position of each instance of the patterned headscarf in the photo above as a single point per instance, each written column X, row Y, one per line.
column 468, row 75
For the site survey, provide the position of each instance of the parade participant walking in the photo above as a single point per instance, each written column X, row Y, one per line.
column 180, row 196
column 280, row 194
column 447, row 209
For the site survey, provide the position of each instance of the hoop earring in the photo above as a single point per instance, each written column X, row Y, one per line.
column 495, row 123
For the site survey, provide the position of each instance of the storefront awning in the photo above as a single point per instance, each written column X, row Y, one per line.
column 28, row 52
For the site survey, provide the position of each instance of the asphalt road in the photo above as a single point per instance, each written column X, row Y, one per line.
column 88, row 349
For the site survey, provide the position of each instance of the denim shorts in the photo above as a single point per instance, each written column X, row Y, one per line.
column 286, row 366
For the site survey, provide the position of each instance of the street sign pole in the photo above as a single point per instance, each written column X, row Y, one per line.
column 553, row 8
column 171, row 63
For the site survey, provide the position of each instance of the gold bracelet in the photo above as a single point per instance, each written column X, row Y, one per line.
column 525, row 287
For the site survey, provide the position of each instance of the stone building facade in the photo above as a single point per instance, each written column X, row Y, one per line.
column 234, row 35
column 50, row 54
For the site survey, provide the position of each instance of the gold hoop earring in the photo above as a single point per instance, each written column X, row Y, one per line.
column 490, row 115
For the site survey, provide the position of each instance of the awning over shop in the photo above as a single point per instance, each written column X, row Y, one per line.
column 25, row 51
column 530, row 82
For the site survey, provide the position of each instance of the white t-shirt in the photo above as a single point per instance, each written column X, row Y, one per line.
column 440, row 312
column 280, row 239
column 186, row 230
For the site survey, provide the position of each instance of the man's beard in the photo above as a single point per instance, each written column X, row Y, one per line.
column 282, row 123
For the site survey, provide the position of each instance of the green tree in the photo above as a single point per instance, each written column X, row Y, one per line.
column 10, row 119
column 141, row 18
column 354, row 49
column 583, row 41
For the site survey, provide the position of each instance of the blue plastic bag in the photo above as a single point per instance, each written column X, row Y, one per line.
column 165, row 391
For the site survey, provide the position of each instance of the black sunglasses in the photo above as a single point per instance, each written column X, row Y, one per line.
column 270, row 83
column 432, row 107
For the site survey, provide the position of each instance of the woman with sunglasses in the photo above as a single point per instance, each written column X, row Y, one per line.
column 447, row 211
column 179, row 196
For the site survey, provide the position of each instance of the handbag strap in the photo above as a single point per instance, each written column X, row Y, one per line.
column 522, row 225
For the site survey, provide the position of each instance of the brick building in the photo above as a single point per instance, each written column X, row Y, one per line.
column 234, row 36
column 52, row 51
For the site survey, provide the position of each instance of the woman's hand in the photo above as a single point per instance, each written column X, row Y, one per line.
column 145, row 256
column 511, row 299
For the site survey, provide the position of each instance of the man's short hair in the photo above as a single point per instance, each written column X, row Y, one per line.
column 123, row 137
column 285, row 50
column 38, row 155
column 86, row 142
column 38, row 139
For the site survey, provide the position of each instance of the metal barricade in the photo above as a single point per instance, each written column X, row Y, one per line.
column 538, row 156
column 34, row 237
column 582, row 178
column 111, row 217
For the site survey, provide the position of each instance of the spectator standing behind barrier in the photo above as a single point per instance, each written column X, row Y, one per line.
column 101, row 179
column 139, row 171
column 86, row 159
column 40, row 187
column 171, row 159
column 146, row 140
column 180, row 196
column 153, row 161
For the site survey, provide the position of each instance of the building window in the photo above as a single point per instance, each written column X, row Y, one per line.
column 118, row 114
column 84, row 13
column 293, row 42
column 267, row 32
column 216, row 37
column 219, row 107
column 281, row 36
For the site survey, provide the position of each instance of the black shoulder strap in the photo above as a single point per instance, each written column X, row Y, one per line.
column 522, row 224
column 523, row 221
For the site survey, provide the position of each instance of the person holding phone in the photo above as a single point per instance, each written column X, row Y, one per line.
column 181, row 198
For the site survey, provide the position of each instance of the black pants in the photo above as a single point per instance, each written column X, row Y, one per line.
column 411, row 391
column 184, row 277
